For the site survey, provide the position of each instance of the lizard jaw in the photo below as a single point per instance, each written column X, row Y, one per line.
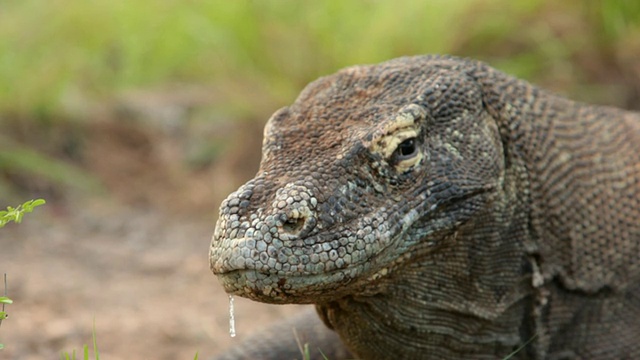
column 278, row 289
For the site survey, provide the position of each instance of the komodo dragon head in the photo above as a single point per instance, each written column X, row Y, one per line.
column 367, row 170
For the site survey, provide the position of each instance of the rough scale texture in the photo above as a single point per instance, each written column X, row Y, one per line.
column 433, row 207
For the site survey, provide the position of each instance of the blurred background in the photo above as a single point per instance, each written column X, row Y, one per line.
column 134, row 119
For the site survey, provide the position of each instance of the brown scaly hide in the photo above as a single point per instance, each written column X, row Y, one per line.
column 433, row 207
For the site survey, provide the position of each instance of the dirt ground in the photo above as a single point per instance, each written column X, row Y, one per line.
column 134, row 259
column 142, row 277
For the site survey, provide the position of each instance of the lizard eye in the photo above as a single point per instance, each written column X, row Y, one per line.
column 405, row 150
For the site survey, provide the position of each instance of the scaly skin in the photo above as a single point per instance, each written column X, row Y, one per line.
column 433, row 207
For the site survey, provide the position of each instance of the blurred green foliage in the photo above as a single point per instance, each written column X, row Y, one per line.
column 61, row 57
column 64, row 48
column 58, row 48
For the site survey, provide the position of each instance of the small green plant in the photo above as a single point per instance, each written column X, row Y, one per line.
column 85, row 349
column 4, row 300
column 16, row 214
column 305, row 351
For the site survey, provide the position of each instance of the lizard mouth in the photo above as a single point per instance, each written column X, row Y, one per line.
column 282, row 289
column 246, row 269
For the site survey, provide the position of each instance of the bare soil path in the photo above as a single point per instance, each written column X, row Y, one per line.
column 143, row 277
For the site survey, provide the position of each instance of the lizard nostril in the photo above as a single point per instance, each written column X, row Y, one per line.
column 294, row 211
column 297, row 227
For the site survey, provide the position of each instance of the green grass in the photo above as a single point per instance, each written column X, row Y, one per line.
column 55, row 53
column 85, row 349
column 51, row 52
column 38, row 164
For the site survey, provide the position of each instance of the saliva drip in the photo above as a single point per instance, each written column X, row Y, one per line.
column 232, row 319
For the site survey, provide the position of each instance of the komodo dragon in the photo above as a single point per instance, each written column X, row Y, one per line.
column 433, row 207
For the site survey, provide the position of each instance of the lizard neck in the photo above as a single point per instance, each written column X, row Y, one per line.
column 469, row 296
column 582, row 175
